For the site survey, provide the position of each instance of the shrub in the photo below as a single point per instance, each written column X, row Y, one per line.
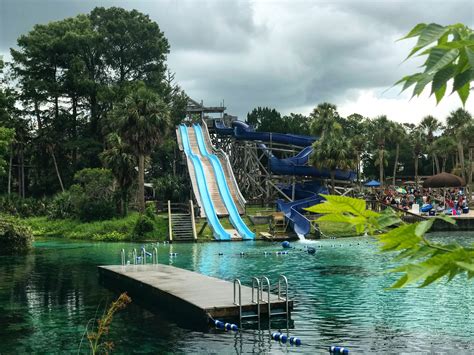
column 143, row 226
column 62, row 206
column 23, row 207
column 113, row 236
column 15, row 237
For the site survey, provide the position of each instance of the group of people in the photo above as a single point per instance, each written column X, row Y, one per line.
column 453, row 202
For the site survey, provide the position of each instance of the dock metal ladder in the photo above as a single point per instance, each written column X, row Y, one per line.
column 144, row 254
column 259, row 286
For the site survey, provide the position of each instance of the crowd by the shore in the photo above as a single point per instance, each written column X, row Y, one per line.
column 422, row 200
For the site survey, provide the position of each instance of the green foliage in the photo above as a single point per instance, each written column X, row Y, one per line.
column 15, row 205
column 7, row 136
column 15, row 236
column 62, row 206
column 450, row 55
column 171, row 187
column 266, row 119
column 143, row 227
column 424, row 261
column 117, row 229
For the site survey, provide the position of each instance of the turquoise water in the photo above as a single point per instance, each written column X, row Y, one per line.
column 47, row 298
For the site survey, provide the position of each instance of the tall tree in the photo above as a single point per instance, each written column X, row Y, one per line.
column 380, row 130
column 417, row 141
column 333, row 151
column 457, row 122
column 398, row 136
column 429, row 126
column 142, row 120
column 118, row 157
column 266, row 119
column 323, row 118
column 444, row 147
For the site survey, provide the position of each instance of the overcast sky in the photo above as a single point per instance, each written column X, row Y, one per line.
column 290, row 55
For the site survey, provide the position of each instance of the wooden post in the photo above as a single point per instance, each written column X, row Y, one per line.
column 170, row 228
column 193, row 221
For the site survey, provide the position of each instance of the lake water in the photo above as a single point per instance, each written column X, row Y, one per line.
column 48, row 297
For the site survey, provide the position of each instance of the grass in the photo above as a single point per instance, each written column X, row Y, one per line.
column 119, row 229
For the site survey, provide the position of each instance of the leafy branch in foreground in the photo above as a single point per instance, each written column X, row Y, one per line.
column 450, row 55
column 103, row 326
column 424, row 261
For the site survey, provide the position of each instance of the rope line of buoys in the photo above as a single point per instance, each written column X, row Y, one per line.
column 338, row 350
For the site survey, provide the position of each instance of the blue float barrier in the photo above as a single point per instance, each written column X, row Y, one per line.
column 338, row 350
column 286, row 244
column 311, row 250
column 226, row 326
column 295, row 341
column 173, row 254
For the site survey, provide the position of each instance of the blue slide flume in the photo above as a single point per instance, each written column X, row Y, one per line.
column 217, row 229
column 224, row 191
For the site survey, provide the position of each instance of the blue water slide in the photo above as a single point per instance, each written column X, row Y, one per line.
column 224, row 191
column 297, row 165
column 218, row 231
column 306, row 195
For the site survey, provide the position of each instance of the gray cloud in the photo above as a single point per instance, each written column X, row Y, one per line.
column 283, row 54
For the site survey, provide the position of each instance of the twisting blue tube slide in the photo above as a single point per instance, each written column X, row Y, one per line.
column 218, row 231
column 224, row 191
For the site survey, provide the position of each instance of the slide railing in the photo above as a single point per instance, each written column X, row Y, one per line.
column 225, row 158
column 224, row 191
column 217, row 229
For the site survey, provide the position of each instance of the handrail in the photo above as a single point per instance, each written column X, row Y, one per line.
column 237, row 281
column 285, row 282
column 154, row 257
column 256, row 284
column 265, row 281
column 221, row 152
column 170, row 225
column 122, row 256
column 143, row 256
column 193, row 219
column 134, row 256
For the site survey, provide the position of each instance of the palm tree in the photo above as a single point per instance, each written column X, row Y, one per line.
column 429, row 125
column 397, row 134
column 142, row 119
column 381, row 130
column 120, row 160
column 333, row 151
column 417, row 140
column 443, row 147
column 323, row 118
column 457, row 121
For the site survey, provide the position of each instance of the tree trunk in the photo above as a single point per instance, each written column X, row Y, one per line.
column 436, row 159
column 443, row 164
column 10, row 170
column 333, row 182
column 381, row 166
column 358, row 168
column 416, row 170
column 56, row 168
column 141, row 183
column 397, row 153
column 461, row 160
column 22, row 164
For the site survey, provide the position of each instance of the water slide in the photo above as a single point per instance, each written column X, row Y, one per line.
column 306, row 194
column 198, row 178
column 297, row 165
column 225, row 194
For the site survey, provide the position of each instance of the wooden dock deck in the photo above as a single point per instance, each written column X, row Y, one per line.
column 186, row 293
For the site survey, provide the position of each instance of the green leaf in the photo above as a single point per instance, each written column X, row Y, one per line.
column 340, row 218
column 470, row 55
column 339, row 204
column 439, row 58
column 440, row 93
column 415, row 31
column 464, row 93
column 447, row 219
column 441, row 78
column 422, row 82
column 423, row 227
column 467, row 266
column 399, row 238
column 429, row 34
column 462, row 79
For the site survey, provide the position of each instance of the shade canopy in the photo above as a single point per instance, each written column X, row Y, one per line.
column 444, row 180
column 372, row 183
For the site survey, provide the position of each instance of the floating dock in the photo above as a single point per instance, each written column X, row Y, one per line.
column 188, row 294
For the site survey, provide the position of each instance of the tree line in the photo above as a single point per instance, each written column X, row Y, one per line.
column 89, row 91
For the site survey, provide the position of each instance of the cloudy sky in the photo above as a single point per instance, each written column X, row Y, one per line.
column 286, row 54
